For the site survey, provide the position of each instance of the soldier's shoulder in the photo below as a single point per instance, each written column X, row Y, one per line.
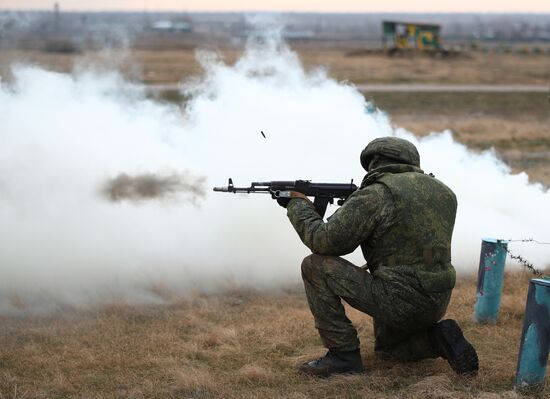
column 373, row 192
column 445, row 188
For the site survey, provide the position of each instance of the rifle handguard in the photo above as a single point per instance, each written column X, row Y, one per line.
column 324, row 193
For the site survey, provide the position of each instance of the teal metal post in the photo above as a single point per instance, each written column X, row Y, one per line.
column 535, row 339
column 490, row 279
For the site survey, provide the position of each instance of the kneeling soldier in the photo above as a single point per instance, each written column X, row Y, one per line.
column 403, row 220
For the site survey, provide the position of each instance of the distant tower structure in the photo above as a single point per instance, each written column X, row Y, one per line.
column 56, row 17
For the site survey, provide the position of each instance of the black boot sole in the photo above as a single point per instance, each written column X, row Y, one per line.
column 325, row 372
column 460, row 354
column 331, row 364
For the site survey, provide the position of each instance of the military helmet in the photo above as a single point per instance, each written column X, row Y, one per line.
column 400, row 150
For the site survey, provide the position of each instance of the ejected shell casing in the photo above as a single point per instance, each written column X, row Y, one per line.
column 535, row 338
column 490, row 280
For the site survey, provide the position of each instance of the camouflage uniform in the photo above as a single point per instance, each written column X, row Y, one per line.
column 403, row 219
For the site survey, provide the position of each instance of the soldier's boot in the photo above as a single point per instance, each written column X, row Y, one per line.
column 334, row 363
column 452, row 346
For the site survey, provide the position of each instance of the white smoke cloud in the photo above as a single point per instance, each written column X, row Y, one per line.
column 62, row 135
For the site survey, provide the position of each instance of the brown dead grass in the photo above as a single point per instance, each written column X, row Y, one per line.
column 514, row 124
column 237, row 345
column 524, row 144
column 246, row 344
column 174, row 65
column 474, row 67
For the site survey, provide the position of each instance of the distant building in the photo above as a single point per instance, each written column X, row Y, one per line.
column 410, row 36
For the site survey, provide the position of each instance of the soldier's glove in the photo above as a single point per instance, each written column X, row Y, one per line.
column 283, row 201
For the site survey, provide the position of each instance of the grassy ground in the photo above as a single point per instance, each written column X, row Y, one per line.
column 170, row 66
column 241, row 344
column 515, row 124
column 474, row 67
column 245, row 344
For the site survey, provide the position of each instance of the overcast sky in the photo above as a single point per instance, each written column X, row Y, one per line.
column 513, row 6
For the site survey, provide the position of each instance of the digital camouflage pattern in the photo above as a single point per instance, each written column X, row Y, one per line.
column 394, row 148
column 403, row 220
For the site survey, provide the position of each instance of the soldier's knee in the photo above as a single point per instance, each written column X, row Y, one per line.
column 307, row 264
column 311, row 265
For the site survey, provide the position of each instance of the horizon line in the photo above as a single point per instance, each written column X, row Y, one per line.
column 257, row 11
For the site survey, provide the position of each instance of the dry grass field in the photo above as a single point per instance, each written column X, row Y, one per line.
column 515, row 124
column 474, row 67
column 173, row 65
column 241, row 344
column 246, row 344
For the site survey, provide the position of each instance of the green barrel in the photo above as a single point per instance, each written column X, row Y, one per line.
column 490, row 280
column 535, row 339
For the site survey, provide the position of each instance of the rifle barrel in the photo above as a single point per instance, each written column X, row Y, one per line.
column 246, row 190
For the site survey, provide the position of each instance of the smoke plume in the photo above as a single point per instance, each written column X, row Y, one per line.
column 62, row 135
column 148, row 186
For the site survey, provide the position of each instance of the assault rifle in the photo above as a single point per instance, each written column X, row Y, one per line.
column 324, row 193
